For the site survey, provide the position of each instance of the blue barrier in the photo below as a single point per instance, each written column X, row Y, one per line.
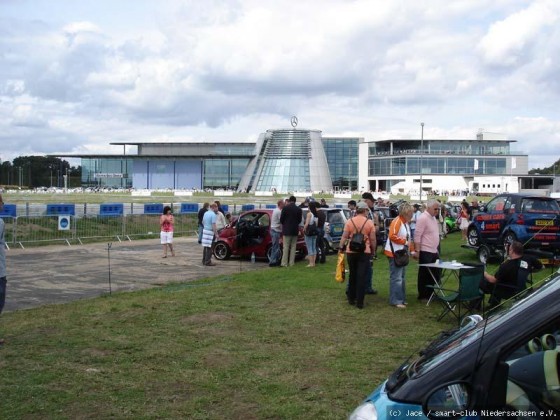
column 339, row 206
column 247, row 207
column 225, row 208
column 189, row 208
column 64, row 209
column 9, row 210
column 111, row 209
column 271, row 206
column 154, row 208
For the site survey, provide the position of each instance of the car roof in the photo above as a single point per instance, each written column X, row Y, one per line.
column 524, row 195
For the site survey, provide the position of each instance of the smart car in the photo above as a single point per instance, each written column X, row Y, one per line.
column 532, row 220
column 506, row 366
column 248, row 234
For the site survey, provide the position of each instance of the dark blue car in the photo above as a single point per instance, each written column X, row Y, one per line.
column 506, row 366
column 532, row 220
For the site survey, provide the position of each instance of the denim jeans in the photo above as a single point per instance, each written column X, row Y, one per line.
column 275, row 253
column 397, row 284
column 200, row 229
column 311, row 244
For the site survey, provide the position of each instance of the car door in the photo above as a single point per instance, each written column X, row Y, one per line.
column 493, row 219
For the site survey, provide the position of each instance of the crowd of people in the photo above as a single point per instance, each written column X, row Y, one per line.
column 416, row 230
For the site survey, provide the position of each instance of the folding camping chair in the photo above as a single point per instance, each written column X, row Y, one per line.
column 467, row 299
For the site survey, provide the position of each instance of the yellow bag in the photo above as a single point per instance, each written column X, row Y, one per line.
column 340, row 268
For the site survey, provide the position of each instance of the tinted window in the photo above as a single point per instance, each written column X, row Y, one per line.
column 536, row 205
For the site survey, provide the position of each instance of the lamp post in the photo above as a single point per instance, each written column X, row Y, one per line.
column 421, row 158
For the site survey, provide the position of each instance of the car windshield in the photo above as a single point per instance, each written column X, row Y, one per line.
column 538, row 205
column 449, row 345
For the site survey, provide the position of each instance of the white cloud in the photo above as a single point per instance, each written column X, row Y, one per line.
column 76, row 79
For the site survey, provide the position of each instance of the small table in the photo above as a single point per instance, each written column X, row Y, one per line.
column 452, row 268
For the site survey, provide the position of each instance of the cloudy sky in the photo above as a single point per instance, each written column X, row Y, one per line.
column 77, row 75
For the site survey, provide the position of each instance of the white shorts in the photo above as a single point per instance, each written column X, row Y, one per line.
column 166, row 237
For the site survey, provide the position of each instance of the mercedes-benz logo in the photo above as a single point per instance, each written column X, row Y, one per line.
column 294, row 121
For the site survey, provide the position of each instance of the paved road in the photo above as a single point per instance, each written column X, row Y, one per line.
column 61, row 273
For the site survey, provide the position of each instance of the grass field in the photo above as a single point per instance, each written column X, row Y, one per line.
column 270, row 344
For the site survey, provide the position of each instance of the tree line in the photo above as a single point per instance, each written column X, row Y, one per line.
column 553, row 169
column 39, row 171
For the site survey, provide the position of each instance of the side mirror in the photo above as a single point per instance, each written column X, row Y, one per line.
column 447, row 402
column 482, row 209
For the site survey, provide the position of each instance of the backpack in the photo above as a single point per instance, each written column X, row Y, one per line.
column 358, row 241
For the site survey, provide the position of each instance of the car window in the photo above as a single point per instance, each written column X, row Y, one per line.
column 497, row 204
column 264, row 220
column 534, row 370
column 335, row 217
column 248, row 217
column 535, row 205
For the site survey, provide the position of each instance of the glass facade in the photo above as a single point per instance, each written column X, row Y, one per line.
column 439, row 147
column 223, row 173
column 285, row 161
column 342, row 157
column 450, row 165
column 107, row 172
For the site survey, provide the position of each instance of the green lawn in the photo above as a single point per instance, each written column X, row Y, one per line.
column 270, row 344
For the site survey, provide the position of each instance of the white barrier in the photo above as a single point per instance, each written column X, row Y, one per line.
column 183, row 193
column 264, row 193
column 223, row 193
column 343, row 195
column 141, row 193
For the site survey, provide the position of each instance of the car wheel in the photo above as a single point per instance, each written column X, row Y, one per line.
column 222, row 251
column 483, row 254
column 473, row 237
column 509, row 237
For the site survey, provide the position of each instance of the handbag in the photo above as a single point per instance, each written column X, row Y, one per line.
column 311, row 229
column 340, row 274
column 400, row 257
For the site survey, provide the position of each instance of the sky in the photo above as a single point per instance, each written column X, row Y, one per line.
column 78, row 75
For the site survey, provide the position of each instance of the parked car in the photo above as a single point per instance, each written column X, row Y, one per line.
column 532, row 220
column 506, row 366
column 249, row 233
column 334, row 226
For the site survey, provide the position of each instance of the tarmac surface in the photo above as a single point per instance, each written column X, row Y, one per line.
column 60, row 273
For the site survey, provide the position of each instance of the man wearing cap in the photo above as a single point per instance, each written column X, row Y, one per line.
column 374, row 217
column 3, row 280
column 358, row 261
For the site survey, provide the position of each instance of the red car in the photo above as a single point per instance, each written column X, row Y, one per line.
column 249, row 233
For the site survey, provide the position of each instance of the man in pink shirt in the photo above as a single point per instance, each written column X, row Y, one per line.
column 426, row 243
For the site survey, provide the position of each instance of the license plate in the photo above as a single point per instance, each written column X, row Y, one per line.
column 544, row 223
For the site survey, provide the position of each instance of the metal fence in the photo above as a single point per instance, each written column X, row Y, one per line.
column 37, row 230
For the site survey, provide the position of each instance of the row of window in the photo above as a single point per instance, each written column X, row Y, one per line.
column 430, row 165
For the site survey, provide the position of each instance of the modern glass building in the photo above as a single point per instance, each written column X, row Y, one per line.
column 282, row 160
column 342, row 158
column 288, row 161
column 443, row 164
column 170, row 166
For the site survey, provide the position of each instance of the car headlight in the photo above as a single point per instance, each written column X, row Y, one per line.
column 365, row 411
